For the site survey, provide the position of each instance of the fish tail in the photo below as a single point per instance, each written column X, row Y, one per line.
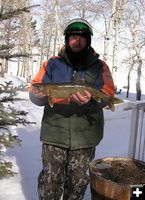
column 115, row 100
column 108, row 101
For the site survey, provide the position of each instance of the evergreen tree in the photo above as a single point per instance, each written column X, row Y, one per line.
column 9, row 116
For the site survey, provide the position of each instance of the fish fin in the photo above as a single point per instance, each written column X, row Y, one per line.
column 109, row 101
column 116, row 100
column 112, row 101
column 111, row 106
column 50, row 102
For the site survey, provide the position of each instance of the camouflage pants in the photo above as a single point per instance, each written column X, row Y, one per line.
column 64, row 172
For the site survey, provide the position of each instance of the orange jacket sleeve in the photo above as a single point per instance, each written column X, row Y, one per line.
column 39, row 79
column 108, row 87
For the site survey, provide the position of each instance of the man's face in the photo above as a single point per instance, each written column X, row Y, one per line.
column 77, row 42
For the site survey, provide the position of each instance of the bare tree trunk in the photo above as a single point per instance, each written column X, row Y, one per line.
column 128, row 85
column 83, row 9
column 6, row 66
column 117, row 20
column 128, row 81
column 7, row 40
column 22, row 70
column 54, row 45
column 18, row 67
column 114, row 55
column 58, row 41
column 49, row 45
column 109, row 30
column 138, row 85
column 2, row 71
column 45, row 32
column 26, row 35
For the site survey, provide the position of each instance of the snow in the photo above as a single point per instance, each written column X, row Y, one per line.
column 26, row 158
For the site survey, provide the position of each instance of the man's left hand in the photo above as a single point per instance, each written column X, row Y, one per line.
column 81, row 99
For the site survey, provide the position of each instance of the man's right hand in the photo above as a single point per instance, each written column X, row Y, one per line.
column 81, row 99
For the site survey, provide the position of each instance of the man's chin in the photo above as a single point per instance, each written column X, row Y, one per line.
column 77, row 49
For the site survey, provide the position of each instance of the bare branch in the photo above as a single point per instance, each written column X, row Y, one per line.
column 10, row 14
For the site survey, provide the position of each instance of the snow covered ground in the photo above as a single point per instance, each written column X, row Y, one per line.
column 27, row 157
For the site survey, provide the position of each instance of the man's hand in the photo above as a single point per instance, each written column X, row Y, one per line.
column 81, row 99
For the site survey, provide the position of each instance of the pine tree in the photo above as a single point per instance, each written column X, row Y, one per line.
column 9, row 116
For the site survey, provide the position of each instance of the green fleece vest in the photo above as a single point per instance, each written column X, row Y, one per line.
column 70, row 126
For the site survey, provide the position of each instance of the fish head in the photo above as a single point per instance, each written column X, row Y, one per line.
column 37, row 86
column 41, row 87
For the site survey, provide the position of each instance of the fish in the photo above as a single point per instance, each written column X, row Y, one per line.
column 66, row 90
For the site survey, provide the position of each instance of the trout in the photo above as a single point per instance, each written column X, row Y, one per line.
column 65, row 90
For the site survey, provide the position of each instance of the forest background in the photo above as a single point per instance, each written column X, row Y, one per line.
column 32, row 31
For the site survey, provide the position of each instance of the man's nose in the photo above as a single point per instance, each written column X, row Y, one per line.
column 78, row 39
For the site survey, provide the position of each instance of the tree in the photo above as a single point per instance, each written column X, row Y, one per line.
column 9, row 116
column 136, row 28
column 11, row 24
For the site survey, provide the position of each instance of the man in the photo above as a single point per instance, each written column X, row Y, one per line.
column 74, row 126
